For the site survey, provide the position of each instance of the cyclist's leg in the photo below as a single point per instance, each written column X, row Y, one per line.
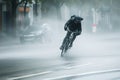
column 74, row 37
column 67, row 36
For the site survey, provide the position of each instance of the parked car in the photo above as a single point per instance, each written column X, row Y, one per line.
column 34, row 33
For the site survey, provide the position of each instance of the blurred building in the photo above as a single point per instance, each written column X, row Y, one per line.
column 0, row 16
column 3, row 16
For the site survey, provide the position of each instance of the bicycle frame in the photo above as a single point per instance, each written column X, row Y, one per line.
column 66, row 45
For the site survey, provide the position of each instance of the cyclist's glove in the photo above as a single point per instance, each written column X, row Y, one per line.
column 65, row 28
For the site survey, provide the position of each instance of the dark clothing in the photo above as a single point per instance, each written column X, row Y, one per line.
column 73, row 26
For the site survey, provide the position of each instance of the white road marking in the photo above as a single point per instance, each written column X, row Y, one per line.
column 30, row 75
column 46, row 72
column 76, row 66
column 83, row 74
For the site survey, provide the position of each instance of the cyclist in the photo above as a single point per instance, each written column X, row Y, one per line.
column 73, row 25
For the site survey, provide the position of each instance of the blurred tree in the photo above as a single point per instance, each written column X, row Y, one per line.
column 48, row 4
column 58, row 4
column 13, row 4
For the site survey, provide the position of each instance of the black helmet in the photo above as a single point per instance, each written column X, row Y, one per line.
column 73, row 17
column 79, row 18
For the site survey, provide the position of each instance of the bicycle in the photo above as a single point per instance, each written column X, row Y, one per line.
column 67, row 44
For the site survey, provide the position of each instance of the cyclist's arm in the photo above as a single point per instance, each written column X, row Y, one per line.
column 79, row 29
column 67, row 24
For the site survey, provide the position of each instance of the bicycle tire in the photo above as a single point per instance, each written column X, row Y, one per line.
column 65, row 47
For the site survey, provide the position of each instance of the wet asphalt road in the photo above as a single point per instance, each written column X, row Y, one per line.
column 91, row 58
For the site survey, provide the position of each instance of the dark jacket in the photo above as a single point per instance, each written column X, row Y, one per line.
column 74, row 24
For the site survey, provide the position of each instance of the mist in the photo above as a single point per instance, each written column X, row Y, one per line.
column 100, row 18
column 31, row 49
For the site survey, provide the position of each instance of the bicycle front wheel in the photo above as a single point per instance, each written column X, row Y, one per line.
column 65, row 47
